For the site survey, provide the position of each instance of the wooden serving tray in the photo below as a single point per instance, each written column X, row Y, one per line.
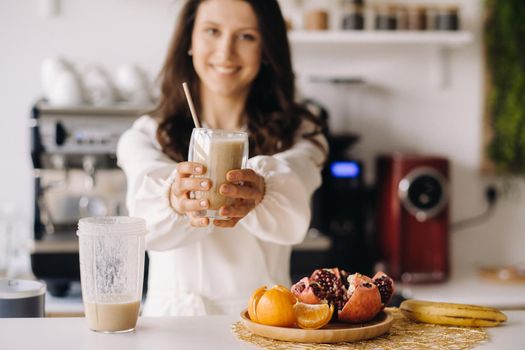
column 333, row 332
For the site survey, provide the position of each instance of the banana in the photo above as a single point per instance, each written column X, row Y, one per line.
column 452, row 314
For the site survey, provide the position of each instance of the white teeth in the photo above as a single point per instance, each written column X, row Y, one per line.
column 225, row 70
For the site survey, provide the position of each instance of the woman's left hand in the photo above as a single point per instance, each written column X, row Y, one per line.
column 247, row 187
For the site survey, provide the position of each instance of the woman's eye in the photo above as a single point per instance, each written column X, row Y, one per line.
column 211, row 31
column 247, row 37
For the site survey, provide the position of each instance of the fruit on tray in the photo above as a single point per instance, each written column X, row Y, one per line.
column 452, row 314
column 313, row 316
column 356, row 297
column 328, row 294
column 277, row 306
column 274, row 306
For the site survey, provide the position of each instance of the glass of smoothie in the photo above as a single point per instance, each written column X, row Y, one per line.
column 111, row 251
column 220, row 151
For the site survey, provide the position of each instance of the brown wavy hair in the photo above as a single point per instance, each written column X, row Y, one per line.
column 273, row 116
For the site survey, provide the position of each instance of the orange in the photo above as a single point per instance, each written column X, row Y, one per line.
column 313, row 316
column 284, row 290
column 274, row 307
column 254, row 300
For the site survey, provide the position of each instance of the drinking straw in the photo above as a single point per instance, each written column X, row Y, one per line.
column 190, row 103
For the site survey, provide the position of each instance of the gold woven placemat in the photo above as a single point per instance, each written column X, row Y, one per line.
column 404, row 334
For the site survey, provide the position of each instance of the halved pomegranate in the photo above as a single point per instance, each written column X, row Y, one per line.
column 364, row 300
column 357, row 298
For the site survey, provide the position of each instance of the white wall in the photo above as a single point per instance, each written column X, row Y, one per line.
column 397, row 109
column 106, row 32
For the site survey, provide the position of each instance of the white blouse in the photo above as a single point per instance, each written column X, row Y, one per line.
column 212, row 270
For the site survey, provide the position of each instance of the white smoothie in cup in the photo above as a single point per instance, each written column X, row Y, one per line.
column 112, row 251
column 220, row 151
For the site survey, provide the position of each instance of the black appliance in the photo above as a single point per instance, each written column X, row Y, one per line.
column 340, row 208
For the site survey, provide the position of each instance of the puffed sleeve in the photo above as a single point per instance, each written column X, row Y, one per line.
column 291, row 177
column 149, row 173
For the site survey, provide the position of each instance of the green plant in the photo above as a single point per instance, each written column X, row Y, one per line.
column 505, row 58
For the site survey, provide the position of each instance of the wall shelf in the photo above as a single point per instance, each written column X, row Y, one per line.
column 440, row 42
column 447, row 39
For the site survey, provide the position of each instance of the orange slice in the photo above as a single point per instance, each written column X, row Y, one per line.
column 313, row 316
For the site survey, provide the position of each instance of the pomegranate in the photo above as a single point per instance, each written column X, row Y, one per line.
column 385, row 285
column 357, row 298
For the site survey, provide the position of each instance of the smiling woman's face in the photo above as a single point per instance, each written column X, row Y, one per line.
column 226, row 46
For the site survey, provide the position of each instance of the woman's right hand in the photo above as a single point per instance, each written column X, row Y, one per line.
column 180, row 190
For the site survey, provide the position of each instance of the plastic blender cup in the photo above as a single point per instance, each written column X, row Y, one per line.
column 111, row 251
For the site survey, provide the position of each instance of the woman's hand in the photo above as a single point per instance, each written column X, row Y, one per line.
column 180, row 190
column 247, row 187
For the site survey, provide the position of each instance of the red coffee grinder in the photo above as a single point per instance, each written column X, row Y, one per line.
column 413, row 218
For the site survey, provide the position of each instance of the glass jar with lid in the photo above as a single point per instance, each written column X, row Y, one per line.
column 401, row 14
column 417, row 17
column 353, row 15
column 316, row 19
column 385, row 17
column 447, row 18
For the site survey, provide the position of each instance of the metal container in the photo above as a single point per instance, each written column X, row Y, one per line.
column 22, row 298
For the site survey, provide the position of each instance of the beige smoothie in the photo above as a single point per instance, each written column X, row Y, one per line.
column 112, row 317
column 219, row 155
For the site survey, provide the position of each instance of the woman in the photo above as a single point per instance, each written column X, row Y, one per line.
column 235, row 56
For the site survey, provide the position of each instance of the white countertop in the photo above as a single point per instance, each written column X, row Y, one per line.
column 206, row 332
column 470, row 289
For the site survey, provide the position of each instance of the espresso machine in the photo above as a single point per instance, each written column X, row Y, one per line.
column 73, row 151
